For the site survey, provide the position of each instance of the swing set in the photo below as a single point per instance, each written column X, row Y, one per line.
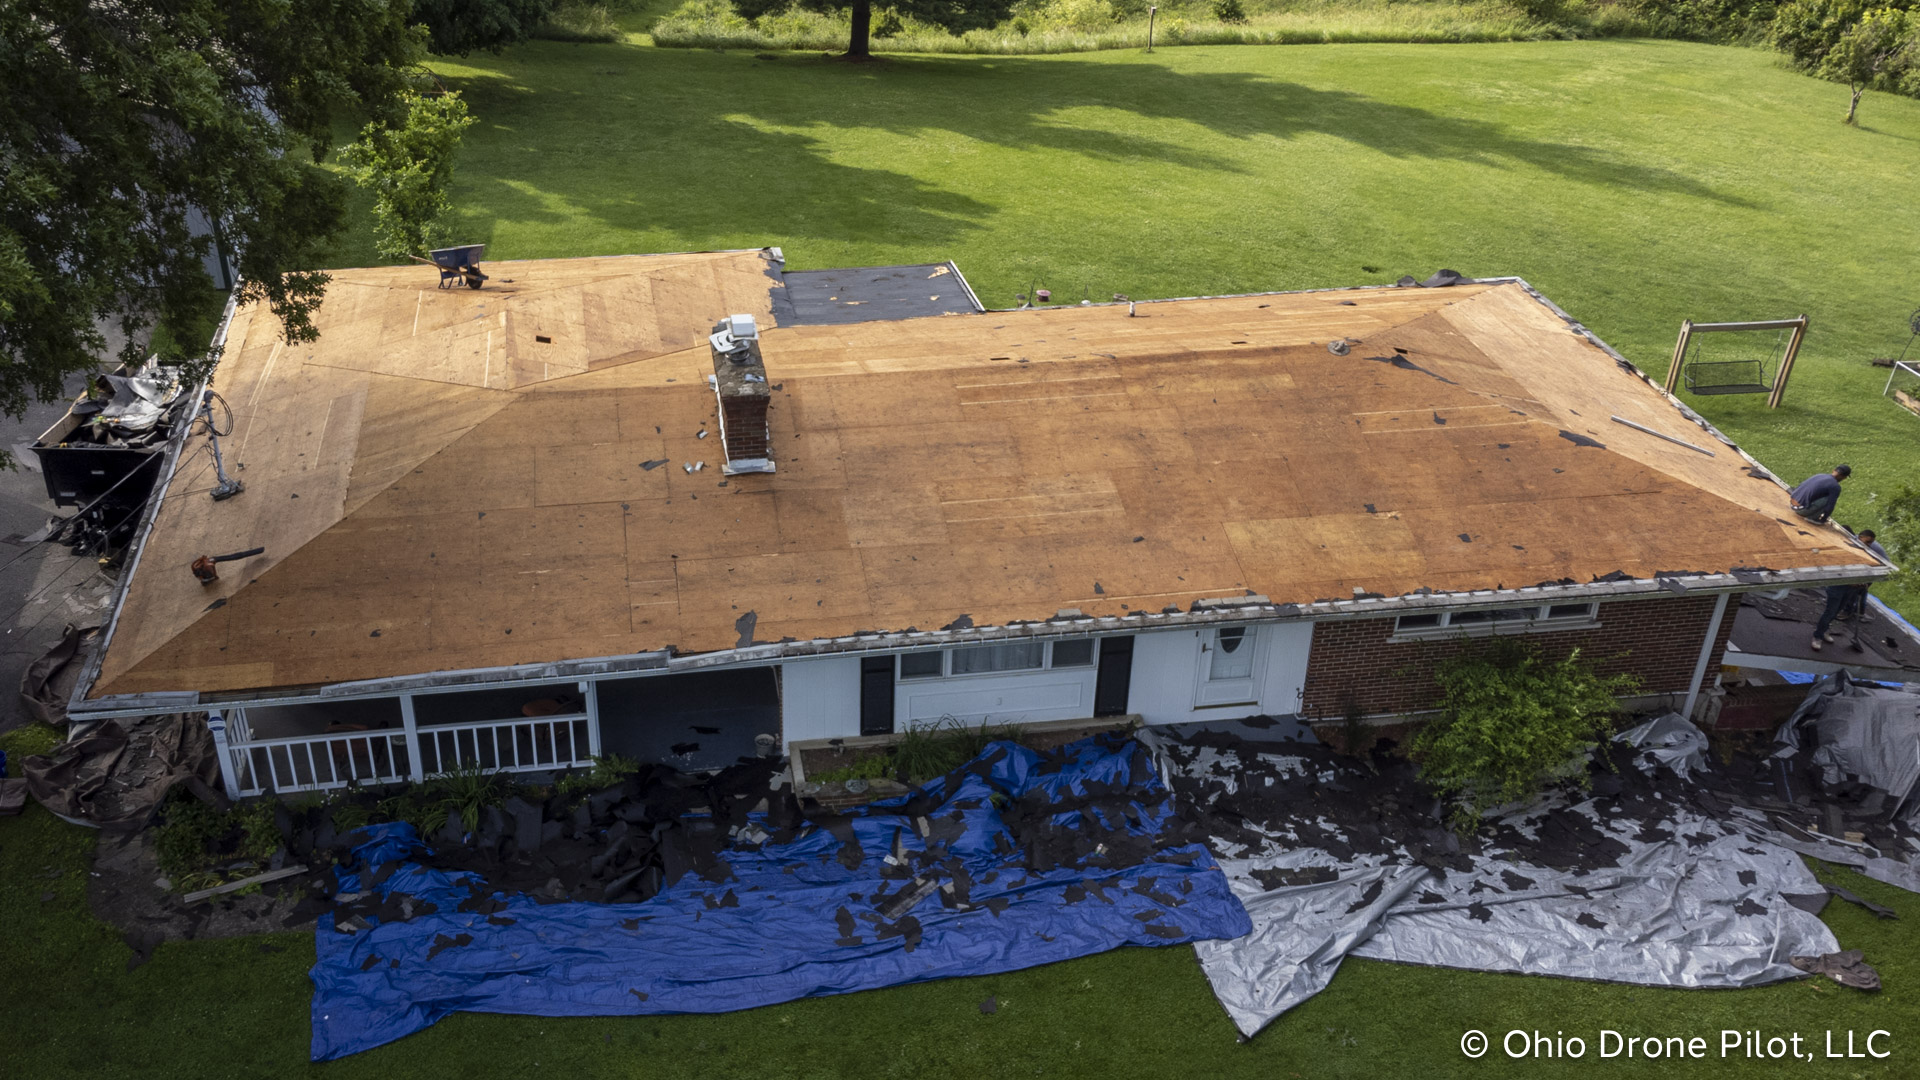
column 1742, row 366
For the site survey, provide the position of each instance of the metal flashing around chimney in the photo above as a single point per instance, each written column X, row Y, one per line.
column 739, row 382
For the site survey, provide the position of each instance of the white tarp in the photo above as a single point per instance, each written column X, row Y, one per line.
column 1645, row 884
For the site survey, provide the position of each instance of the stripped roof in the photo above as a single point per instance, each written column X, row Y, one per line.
column 456, row 480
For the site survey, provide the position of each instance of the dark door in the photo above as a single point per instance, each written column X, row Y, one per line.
column 876, row 695
column 1116, row 674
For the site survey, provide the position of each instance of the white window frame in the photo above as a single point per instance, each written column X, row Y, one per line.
column 946, row 663
column 1533, row 620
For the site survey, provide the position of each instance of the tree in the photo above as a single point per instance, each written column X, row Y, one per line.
column 458, row 27
column 408, row 167
column 955, row 16
column 123, row 121
column 1868, row 47
column 1877, row 53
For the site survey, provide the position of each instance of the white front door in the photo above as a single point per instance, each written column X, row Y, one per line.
column 1229, row 667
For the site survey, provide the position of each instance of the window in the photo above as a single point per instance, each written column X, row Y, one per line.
column 1073, row 653
column 987, row 659
column 1014, row 656
column 921, row 665
column 1543, row 617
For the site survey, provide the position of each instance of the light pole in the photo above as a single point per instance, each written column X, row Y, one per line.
column 1151, row 11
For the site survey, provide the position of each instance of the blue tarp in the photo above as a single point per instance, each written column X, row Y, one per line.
column 1006, row 878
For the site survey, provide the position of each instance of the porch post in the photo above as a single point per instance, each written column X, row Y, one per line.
column 217, row 724
column 591, row 692
column 1706, row 653
column 413, row 738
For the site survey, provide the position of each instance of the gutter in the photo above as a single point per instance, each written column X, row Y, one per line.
column 1069, row 623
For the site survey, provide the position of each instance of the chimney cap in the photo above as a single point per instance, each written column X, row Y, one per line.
column 734, row 334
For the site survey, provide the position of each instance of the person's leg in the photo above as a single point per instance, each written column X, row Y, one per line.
column 1837, row 598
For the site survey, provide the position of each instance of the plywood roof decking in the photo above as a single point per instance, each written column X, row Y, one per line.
column 1001, row 466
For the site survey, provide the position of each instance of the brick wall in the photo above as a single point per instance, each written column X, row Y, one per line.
column 746, row 427
column 1656, row 639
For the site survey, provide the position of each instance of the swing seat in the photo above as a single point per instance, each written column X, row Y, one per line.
column 1727, row 377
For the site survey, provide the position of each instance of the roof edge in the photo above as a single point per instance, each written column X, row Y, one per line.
column 176, row 443
column 1069, row 623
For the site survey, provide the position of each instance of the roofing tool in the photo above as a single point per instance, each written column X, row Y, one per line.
column 203, row 566
column 228, row 487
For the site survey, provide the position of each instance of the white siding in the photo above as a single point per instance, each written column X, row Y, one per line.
column 820, row 699
column 1164, row 666
column 1012, row 698
column 1167, row 674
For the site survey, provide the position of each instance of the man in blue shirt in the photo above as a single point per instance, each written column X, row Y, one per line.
column 1814, row 499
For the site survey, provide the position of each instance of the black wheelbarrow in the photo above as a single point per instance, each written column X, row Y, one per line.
column 459, row 264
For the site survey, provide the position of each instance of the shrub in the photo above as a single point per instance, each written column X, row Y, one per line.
column 581, row 22
column 873, row 767
column 459, row 795
column 925, row 751
column 1900, row 533
column 1511, row 722
column 608, row 770
column 198, row 846
column 1229, row 11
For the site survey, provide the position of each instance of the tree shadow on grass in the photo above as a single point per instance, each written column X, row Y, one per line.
column 724, row 145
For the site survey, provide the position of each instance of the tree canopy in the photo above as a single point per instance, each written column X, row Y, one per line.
column 957, row 16
column 458, row 27
column 1868, row 46
column 124, row 123
column 407, row 166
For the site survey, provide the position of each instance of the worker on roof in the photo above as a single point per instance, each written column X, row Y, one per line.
column 1816, row 496
column 1871, row 541
column 1846, row 602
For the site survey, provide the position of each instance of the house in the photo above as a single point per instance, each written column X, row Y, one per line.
column 585, row 511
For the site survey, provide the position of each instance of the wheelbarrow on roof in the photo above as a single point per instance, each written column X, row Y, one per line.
column 458, row 264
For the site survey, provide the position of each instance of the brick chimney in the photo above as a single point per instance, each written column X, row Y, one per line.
column 740, row 382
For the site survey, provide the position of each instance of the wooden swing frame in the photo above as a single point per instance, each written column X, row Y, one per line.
column 1779, row 389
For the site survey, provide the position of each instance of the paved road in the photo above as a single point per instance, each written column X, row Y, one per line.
column 43, row 587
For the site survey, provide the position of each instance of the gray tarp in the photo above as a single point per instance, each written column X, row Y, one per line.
column 1639, row 886
column 1865, row 734
column 119, row 773
column 48, row 681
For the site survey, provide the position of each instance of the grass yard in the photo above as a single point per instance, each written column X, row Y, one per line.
column 1636, row 184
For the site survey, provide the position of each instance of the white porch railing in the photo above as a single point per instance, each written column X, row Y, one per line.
column 298, row 763
column 319, row 762
column 516, row 745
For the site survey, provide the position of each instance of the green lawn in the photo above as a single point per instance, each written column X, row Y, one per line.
column 1636, row 184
